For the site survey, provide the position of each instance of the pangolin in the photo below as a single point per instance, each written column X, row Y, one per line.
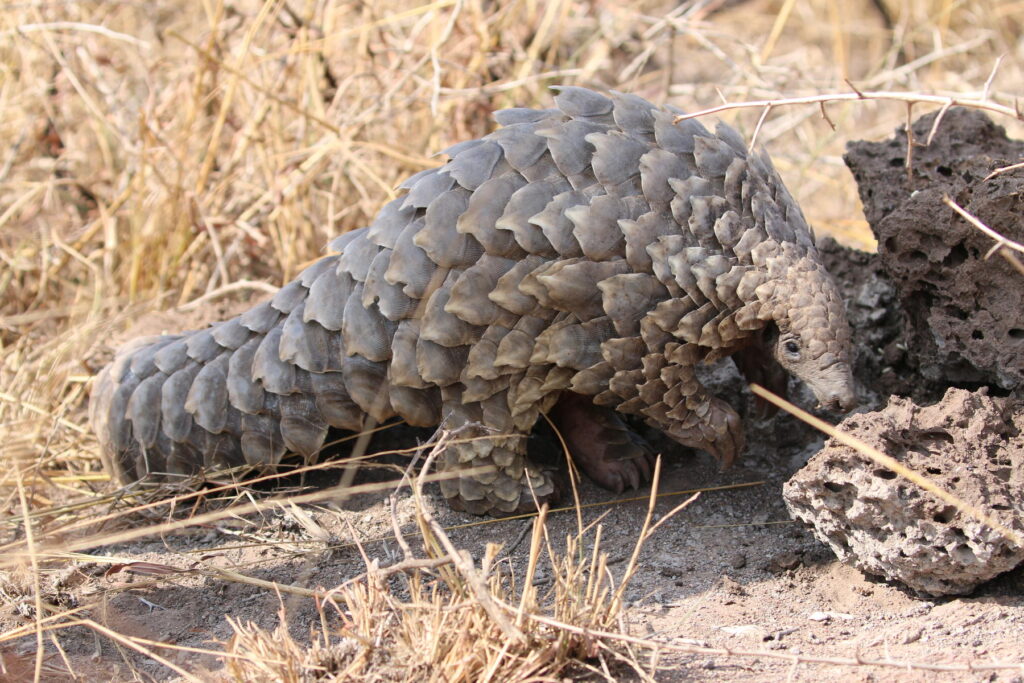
column 578, row 261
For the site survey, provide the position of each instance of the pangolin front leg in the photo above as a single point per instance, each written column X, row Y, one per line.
column 758, row 366
column 601, row 444
column 694, row 417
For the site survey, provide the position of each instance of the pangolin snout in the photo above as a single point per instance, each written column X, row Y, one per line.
column 833, row 386
column 844, row 400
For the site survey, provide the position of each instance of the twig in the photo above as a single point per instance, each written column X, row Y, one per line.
column 130, row 642
column 161, row 644
column 892, row 74
column 36, row 588
column 991, row 77
column 239, row 286
column 574, row 474
column 397, row 528
column 935, row 123
column 854, row 88
column 362, row 444
column 824, row 115
column 1002, row 243
column 78, row 26
column 760, row 123
column 646, row 530
column 909, row 163
column 494, row 88
column 461, row 559
column 527, row 596
column 1004, row 169
column 406, row 566
column 777, row 27
column 330, row 596
column 511, row 547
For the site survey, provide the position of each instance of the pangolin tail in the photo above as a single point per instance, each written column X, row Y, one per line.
column 242, row 392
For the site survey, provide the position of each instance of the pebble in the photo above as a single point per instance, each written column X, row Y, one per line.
column 671, row 565
column 912, row 636
column 829, row 616
column 743, row 630
column 783, row 562
column 731, row 586
column 692, row 641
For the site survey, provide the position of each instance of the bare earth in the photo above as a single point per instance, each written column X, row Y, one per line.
column 729, row 571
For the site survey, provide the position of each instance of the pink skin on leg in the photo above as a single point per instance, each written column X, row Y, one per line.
column 601, row 444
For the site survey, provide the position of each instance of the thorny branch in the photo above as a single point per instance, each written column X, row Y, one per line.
column 910, row 97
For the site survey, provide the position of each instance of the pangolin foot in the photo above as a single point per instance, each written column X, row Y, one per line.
column 510, row 486
column 719, row 432
column 601, row 444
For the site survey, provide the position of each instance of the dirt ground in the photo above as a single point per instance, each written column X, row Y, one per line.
column 730, row 571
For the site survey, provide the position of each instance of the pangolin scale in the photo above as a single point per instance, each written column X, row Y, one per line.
column 579, row 260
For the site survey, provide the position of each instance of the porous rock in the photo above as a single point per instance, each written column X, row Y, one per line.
column 968, row 445
column 966, row 325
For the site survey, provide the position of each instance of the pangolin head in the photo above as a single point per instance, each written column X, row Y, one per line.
column 813, row 342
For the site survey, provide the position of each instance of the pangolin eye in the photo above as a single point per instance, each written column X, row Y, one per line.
column 792, row 348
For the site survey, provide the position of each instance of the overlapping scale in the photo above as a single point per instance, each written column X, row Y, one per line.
column 599, row 246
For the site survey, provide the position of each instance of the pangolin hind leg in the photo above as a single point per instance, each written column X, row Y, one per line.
column 507, row 481
column 601, row 443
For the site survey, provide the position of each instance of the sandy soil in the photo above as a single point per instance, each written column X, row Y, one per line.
column 730, row 571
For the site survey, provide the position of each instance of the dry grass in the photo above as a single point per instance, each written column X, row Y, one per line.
column 450, row 620
column 155, row 154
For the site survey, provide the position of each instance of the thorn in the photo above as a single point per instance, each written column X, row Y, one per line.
column 824, row 115
column 151, row 605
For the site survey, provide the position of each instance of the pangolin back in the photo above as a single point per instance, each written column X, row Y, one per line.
column 598, row 247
